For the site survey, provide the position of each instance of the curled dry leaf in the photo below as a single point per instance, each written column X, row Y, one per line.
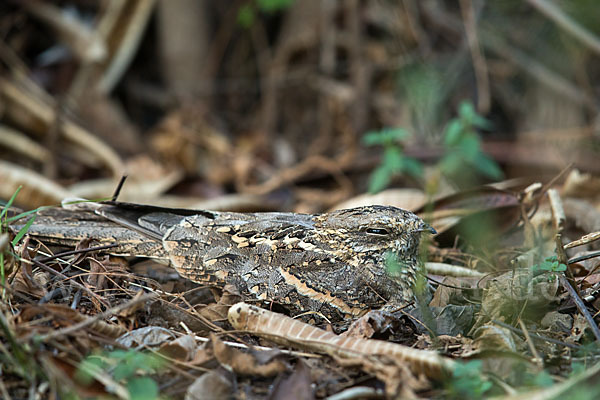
column 218, row 311
column 285, row 330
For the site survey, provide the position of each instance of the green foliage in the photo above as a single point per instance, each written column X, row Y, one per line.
column 245, row 16
column 393, row 266
column 462, row 151
column 550, row 264
column 129, row 367
column 463, row 146
column 394, row 161
column 467, row 382
column 4, row 221
column 271, row 6
column 247, row 12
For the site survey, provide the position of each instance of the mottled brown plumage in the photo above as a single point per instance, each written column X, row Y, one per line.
column 331, row 263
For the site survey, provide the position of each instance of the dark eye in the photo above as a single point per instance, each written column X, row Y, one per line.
column 377, row 231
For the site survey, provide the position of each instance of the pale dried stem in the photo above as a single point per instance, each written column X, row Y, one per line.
column 450, row 270
column 479, row 64
column 558, row 212
column 567, row 23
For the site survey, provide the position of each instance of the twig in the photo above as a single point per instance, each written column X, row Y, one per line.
column 536, row 336
column 567, row 23
column 262, row 348
column 479, row 64
column 584, row 257
column 97, row 317
column 562, row 258
column 79, row 251
column 358, row 392
column 558, row 212
column 66, row 278
column 580, row 306
column 585, row 239
column 118, row 188
column 536, row 356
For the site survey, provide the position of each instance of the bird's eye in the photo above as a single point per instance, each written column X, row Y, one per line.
column 377, row 231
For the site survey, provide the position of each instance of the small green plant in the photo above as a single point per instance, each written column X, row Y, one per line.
column 550, row 264
column 462, row 145
column 247, row 12
column 4, row 222
column 467, row 382
column 462, row 151
column 394, row 161
column 127, row 367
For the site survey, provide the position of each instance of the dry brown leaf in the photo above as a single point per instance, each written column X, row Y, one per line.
column 149, row 336
column 244, row 363
column 182, row 348
column 219, row 384
column 297, row 386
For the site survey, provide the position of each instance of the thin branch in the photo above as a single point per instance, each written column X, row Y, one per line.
column 556, row 15
column 581, row 306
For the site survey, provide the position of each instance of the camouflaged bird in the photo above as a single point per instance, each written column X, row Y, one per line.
column 332, row 263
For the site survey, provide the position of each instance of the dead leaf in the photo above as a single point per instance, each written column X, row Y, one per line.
column 147, row 336
column 217, row 384
column 297, row 386
column 182, row 348
column 244, row 363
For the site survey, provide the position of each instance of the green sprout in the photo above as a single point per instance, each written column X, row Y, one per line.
column 463, row 146
column 394, row 161
column 129, row 367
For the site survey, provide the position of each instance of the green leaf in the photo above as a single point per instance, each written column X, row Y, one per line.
column 396, row 134
column 379, row 179
column 23, row 231
column 467, row 112
column 453, row 133
column 271, row 6
column 413, row 167
column 373, row 138
column 23, row 214
column 543, row 379
column 469, row 147
column 12, row 199
column 385, row 137
column 487, row 166
column 451, row 163
column 142, row 388
column 245, row 16
column 482, row 123
column 87, row 369
column 393, row 159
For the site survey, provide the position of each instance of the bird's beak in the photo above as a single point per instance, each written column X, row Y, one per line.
column 426, row 228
